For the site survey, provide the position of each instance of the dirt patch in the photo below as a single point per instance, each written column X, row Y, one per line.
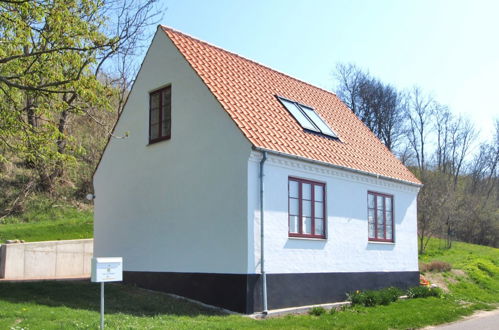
column 438, row 279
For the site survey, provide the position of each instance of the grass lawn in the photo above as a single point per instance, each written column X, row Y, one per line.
column 75, row 305
column 48, row 222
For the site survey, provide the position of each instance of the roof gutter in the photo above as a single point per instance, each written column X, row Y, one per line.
column 318, row 162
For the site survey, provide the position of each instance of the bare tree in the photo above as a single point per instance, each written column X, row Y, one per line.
column 420, row 110
column 377, row 104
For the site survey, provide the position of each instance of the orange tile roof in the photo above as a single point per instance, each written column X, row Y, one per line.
column 246, row 90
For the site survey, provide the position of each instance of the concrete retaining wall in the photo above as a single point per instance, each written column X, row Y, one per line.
column 53, row 259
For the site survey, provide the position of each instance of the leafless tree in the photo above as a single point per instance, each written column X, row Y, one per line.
column 377, row 104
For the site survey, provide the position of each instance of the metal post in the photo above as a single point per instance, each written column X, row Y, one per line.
column 102, row 305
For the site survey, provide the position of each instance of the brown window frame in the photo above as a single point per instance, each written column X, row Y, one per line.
column 313, row 200
column 385, row 196
column 161, row 135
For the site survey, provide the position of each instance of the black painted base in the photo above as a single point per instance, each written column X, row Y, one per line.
column 242, row 292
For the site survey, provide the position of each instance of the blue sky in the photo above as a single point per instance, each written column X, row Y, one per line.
column 449, row 48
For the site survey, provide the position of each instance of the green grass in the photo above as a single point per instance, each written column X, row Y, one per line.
column 48, row 230
column 45, row 221
column 479, row 281
column 75, row 305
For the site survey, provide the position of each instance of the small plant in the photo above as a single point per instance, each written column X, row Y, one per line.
column 394, row 293
column 372, row 298
column 389, row 295
column 424, row 292
column 333, row 311
column 435, row 266
column 317, row 311
column 356, row 298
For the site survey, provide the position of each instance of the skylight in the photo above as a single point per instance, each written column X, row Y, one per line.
column 307, row 117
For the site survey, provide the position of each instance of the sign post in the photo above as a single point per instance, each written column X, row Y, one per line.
column 106, row 270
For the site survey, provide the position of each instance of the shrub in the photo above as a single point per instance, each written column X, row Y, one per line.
column 317, row 311
column 423, row 292
column 388, row 295
column 371, row 298
column 366, row 298
column 436, row 266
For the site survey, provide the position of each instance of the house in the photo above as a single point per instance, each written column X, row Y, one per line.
column 245, row 188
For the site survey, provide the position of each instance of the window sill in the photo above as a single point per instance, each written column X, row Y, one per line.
column 158, row 140
column 308, row 238
column 381, row 242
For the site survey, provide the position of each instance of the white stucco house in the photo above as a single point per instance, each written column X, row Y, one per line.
column 245, row 188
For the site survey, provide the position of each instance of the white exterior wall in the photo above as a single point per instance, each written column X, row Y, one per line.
column 176, row 205
column 346, row 248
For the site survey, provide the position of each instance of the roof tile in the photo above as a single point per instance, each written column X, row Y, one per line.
column 247, row 90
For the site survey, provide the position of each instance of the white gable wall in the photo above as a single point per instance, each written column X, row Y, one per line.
column 176, row 205
column 346, row 248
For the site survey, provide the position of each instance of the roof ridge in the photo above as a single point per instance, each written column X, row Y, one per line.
column 167, row 28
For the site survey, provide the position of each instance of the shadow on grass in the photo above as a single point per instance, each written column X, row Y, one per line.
column 119, row 298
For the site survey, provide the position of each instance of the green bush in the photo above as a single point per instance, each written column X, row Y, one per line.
column 317, row 311
column 394, row 293
column 371, row 298
column 423, row 292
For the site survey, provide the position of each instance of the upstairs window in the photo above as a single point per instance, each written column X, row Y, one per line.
column 307, row 208
column 380, row 217
column 307, row 117
column 160, row 114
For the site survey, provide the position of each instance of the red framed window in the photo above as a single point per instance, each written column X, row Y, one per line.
column 306, row 208
column 160, row 114
column 380, row 217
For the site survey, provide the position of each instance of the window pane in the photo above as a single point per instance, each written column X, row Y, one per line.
column 370, row 201
column 293, row 189
column 306, row 191
column 319, row 210
column 380, row 216
column 306, row 208
column 389, row 232
column 154, row 101
column 319, row 193
column 165, row 128
column 299, row 116
column 154, row 131
column 380, row 202
column 307, row 225
column 293, row 206
column 323, row 127
column 388, row 203
column 293, row 224
column 166, row 94
column 371, row 230
column 389, row 220
column 381, row 231
column 319, row 226
column 370, row 216
column 154, row 116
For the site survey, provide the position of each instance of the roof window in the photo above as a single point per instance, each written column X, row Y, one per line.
column 307, row 117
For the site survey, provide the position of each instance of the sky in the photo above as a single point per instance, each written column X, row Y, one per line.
column 448, row 48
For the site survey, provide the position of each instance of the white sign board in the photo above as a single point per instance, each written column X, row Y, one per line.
column 107, row 269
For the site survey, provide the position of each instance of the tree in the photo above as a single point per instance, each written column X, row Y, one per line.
column 52, row 69
column 377, row 104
